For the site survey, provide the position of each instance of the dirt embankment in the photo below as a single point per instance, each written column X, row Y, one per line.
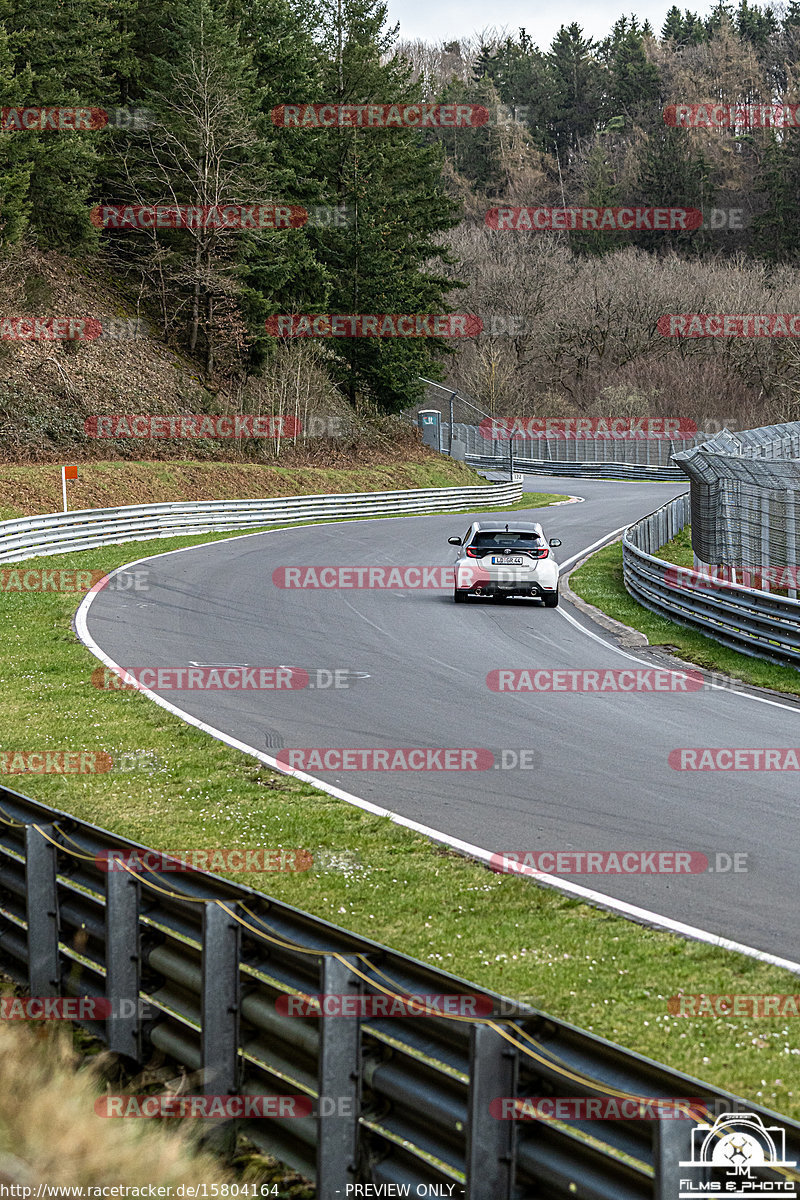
column 30, row 490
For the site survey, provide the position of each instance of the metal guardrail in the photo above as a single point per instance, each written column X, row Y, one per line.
column 403, row 1101
column 579, row 470
column 749, row 620
column 570, row 457
column 57, row 533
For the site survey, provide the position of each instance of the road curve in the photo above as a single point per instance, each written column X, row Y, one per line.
column 602, row 780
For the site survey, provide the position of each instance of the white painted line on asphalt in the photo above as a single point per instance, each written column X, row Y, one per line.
column 621, row 907
column 609, row 537
column 719, row 687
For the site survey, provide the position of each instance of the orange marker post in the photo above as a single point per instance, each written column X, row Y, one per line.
column 67, row 473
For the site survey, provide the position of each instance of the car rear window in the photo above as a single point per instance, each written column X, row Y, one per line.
column 513, row 540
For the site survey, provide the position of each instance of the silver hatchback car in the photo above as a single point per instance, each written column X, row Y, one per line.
column 506, row 558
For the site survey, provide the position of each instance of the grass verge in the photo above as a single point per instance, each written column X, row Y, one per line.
column 580, row 963
column 37, row 489
column 599, row 581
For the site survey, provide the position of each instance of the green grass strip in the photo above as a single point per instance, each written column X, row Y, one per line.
column 585, row 965
column 599, row 581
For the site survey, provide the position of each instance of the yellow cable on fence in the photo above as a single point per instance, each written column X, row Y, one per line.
column 562, row 1071
column 10, row 821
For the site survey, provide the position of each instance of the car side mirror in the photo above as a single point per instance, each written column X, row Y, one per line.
column 454, row 541
column 555, row 542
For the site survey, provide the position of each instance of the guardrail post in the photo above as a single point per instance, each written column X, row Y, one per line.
column 766, row 558
column 338, row 1083
column 791, row 544
column 491, row 1142
column 41, row 901
column 219, row 1004
column 123, row 961
column 672, row 1145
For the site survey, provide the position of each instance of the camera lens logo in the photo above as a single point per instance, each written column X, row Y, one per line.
column 740, row 1143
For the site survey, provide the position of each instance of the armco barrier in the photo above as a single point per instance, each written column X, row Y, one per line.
column 401, row 1101
column 745, row 619
column 577, row 470
column 84, row 529
column 569, row 457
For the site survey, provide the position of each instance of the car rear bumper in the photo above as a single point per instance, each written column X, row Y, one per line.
column 490, row 587
column 483, row 582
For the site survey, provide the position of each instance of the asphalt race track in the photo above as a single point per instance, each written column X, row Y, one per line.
column 602, row 780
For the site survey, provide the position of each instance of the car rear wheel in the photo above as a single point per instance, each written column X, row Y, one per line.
column 550, row 599
column 459, row 596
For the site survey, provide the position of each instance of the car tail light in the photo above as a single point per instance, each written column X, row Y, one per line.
column 472, row 552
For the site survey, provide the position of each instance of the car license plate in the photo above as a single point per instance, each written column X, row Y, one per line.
column 509, row 562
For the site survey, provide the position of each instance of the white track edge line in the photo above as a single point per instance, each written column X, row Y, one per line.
column 574, row 890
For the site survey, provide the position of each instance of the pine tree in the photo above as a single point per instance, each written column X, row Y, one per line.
column 673, row 174
column 475, row 152
column 207, row 147
column 776, row 231
column 70, row 53
column 755, row 25
column 522, row 77
column 672, row 29
column 389, row 180
column 683, row 30
column 578, row 87
column 721, row 16
column 635, row 86
column 284, row 273
column 15, row 167
column 600, row 191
